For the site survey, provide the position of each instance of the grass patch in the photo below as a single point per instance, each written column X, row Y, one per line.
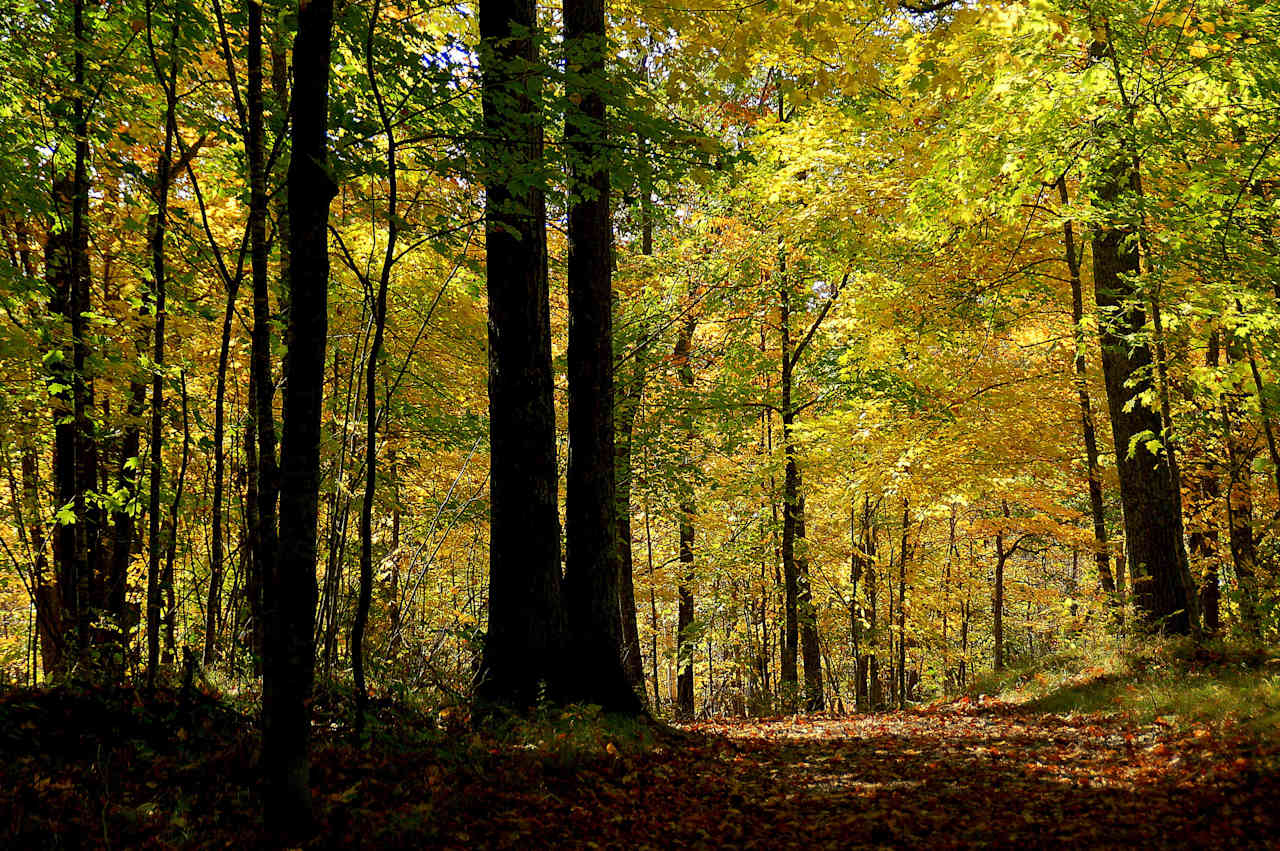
column 1168, row 680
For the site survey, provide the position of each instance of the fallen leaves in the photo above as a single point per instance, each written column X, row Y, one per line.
column 954, row 775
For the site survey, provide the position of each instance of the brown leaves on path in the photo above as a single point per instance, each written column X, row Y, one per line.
column 949, row 777
column 953, row 776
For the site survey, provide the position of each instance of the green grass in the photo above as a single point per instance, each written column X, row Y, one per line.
column 1173, row 681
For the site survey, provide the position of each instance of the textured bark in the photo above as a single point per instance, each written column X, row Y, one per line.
column 290, row 587
column 592, row 568
column 1152, row 505
column 524, row 648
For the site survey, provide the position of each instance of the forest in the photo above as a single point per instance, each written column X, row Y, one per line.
column 653, row 423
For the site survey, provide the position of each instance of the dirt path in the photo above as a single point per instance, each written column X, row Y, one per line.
column 956, row 777
column 103, row 773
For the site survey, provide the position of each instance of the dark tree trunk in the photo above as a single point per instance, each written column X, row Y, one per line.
column 628, row 405
column 213, row 606
column 262, row 416
column 1244, row 554
column 688, row 511
column 75, row 462
column 810, row 647
column 524, row 648
column 379, row 310
column 1206, row 491
column 997, row 604
column 290, row 587
column 1152, row 505
column 592, row 569
column 790, row 507
column 1102, row 553
column 902, row 606
column 159, row 229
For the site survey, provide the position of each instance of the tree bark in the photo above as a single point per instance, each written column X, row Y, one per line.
column 592, row 570
column 290, row 589
column 524, row 648
column 1155, row 554
column 1102, row 552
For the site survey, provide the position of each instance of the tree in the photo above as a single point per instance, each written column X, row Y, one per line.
column 592, row 570
column 524, row 646
column 290, row 589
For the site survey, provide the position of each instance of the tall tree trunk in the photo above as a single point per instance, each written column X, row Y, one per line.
column 592, row 578
column 379, row 311
column 75, row 446
column 1244, row 555
column 213, row 605
column 688, row 511
column 1152, row 504
column 265, row 523
column 810, row 647
column 524, row 647
column 1205, row 493
column 1152, row 507
column 156, row 240
column 290, row 589
column 627, row 406
column 1102, row 552
column 790, row 506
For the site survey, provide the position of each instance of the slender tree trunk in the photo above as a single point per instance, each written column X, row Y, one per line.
column 1206, row 491
column 902, row 606
column 379, row 311
column 997, row 604
column 262, row 404
column 1244, row 555
column 291, row 581
column 75, row 449
column 159, row 229
column 627, row 406
column 1102, row 551
column 524, row 648
column 810, row 646
column 688, row 511
column 790, row 506
column 213, row 606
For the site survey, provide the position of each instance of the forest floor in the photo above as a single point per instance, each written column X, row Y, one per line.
column 109, row 769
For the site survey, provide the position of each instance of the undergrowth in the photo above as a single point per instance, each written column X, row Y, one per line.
column 1169, row 680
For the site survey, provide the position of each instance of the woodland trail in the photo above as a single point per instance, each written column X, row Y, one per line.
column 952, row 776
